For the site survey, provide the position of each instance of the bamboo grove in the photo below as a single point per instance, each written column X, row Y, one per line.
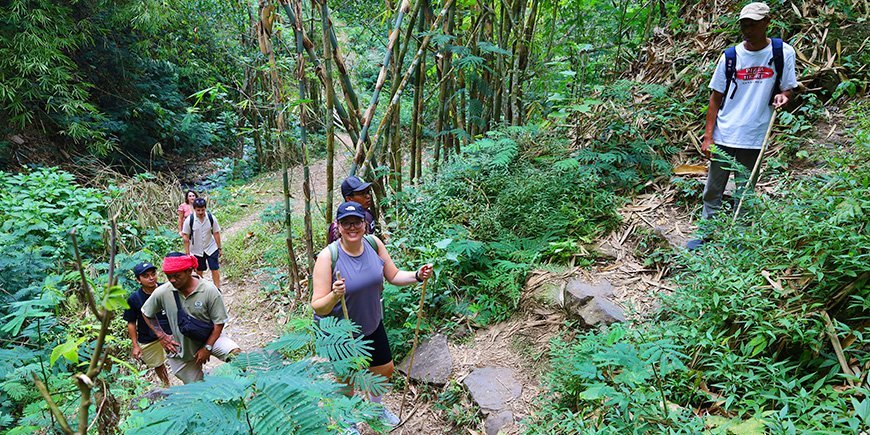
column 459, row 66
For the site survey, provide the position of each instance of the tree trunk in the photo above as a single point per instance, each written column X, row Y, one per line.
column 328, row 122
column 382, row 77
column 416, row 117
column 303, row 144
column 278, row 101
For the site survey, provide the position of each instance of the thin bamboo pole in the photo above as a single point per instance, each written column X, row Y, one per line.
column 330, row 98
column 416, row 126
column 407, row 75
column 303, row 143
column 265, row 39
column 382, row 77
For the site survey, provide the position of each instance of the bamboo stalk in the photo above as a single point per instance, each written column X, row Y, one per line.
column 303, row 143
column 330, row 98
column 405, row 78
column 351, row 124
column 753, row 176
column 278, row 101
column 382, row 77
column 416, row 127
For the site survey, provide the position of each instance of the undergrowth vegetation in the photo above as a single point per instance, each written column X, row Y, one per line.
column 264, row 392
column 515, row 199
column 42, row 331
column 750, row 340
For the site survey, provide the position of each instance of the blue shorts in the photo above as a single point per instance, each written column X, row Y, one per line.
column 212, row 261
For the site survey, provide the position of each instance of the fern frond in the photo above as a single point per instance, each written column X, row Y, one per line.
column 489, row 47
column 258, row 361
column 369, row 382
column 288, row 400
column 290, row 342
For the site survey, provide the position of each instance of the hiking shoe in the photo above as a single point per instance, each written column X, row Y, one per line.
column 388, row 418
column 695, row 244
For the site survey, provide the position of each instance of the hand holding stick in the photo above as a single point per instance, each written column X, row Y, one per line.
column 343, row 301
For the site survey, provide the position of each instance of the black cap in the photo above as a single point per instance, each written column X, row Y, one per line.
column 351, row 185
column 348, row 209
column 143, row 267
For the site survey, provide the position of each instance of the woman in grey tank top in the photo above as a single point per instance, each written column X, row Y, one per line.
column 364, row 263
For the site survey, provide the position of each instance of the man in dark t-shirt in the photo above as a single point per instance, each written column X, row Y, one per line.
column 355, row 189
column 146, row 347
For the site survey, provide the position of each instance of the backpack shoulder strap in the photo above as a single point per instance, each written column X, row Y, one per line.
column 191, row 230
column 778, row 65
column 333, row 253
column 210, row 221
column 178, row 308
column 371, row 240
column 730, row 73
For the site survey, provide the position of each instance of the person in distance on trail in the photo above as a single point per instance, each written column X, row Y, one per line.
column 146, row 347
column 201, row 313
column 185, row 209
column 354, row 189
column 364, row 263
column 750, row 80
column 202, row 238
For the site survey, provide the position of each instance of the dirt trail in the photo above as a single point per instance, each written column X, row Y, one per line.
column 651, row 220
column 520, row 343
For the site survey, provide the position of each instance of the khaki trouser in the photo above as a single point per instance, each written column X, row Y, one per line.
column 190, row 371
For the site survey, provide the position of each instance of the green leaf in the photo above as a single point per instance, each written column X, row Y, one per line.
column 443, row 243
column 115, row 298
column 753, row 426
column 69, row 350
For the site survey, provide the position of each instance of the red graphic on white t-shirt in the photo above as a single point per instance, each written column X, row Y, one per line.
column 755, row 73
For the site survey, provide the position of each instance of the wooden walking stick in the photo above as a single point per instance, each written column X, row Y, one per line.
column 753, row 177
column 413, row 347
column 343, row 302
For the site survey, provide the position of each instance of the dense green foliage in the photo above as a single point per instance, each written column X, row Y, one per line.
column 39, row 295
column 116, row 76
column 262, row 392
column 751, row 351
column 513, row 200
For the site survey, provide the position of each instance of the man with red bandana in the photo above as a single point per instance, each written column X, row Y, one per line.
column 199, row 299
column 737, row 122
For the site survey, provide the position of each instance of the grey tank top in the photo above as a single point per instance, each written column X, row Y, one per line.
column 364, row 281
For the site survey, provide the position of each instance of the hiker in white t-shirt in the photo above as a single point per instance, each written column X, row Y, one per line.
column 737, row 122
column 202, row 239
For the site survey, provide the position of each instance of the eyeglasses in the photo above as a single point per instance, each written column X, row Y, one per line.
column 351, row 224
column 367, row 192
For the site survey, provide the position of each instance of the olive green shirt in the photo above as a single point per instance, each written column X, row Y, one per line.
column 205, row 303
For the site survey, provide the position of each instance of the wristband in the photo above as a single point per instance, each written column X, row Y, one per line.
column 417, row 276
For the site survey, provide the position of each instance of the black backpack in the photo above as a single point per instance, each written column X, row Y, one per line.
column 210, row 221
column 731, row 70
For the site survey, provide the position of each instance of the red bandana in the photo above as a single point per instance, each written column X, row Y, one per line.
column 179, row 264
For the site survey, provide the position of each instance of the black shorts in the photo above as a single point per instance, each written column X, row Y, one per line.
column 212, row 261
column 380, row 346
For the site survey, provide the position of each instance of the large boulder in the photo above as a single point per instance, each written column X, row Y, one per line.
column 601, row 311
column 492, row 388
column 497, row 421
column 592, row 302
column 433, row 362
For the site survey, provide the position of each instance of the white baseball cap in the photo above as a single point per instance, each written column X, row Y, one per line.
column 755, row 11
